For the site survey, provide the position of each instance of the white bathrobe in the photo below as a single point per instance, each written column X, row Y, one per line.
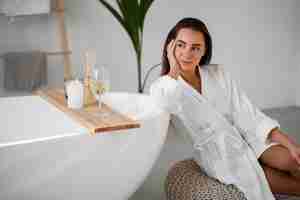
column 227, row 131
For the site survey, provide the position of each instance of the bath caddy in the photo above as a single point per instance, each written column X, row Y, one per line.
column 93, row 118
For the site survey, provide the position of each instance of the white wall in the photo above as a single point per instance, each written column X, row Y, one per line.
column 254, row 39
column 297, row 79
column 297, row 58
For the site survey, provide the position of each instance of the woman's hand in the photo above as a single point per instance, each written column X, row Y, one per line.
column 285, row 140
column 175, row 67
column 295, row 152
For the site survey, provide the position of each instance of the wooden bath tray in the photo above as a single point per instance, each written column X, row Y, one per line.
column 94, row 119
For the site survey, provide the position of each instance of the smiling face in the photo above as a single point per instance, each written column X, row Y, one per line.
column 190, row 47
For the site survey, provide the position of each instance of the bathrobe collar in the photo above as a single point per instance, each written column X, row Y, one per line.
column 192, row 90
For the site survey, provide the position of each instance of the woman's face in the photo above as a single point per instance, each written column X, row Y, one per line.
column 190, row 47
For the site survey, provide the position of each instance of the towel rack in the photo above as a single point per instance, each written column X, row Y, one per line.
column 58, row 8
column 54, row 53
column 64, row 43
column 58, row 53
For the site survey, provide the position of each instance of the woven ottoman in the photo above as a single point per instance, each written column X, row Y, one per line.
column 186, row 181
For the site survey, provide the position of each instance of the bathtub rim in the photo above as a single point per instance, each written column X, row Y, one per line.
column 158, row 111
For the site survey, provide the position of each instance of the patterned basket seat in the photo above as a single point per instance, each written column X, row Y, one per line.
column 186, row 181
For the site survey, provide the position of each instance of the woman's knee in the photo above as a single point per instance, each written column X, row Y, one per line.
column 291, row 165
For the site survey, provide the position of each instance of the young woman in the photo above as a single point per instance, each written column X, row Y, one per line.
column 233, row 140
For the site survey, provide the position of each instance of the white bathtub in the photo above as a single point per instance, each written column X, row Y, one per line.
column 45, row 155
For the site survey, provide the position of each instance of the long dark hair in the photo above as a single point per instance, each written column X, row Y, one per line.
column 196, row 25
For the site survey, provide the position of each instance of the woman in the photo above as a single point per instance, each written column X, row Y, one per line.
column 233, row 140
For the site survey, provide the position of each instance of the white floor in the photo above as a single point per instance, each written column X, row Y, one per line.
column 177, row 149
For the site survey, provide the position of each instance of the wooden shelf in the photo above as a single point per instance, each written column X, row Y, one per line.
column 94, row 119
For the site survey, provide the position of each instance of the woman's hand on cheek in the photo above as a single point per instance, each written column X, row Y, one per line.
column 174, row 64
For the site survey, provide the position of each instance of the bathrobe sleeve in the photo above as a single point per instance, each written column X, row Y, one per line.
column 253, row 124
column 167, row 92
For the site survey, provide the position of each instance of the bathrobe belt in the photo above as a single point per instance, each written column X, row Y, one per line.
column 216, row 127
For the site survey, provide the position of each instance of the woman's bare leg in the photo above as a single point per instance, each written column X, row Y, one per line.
column 280, row 169
column 281, row 182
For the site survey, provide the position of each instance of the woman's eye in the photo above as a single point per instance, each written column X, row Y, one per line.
column 196, row 49
column 179, row 45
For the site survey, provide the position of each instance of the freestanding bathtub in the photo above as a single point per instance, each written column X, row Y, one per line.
column 46, row 155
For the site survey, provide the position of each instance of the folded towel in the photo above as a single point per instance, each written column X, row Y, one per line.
column 25, row 70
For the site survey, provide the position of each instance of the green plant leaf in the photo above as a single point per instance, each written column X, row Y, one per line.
column 145, row 5
column 123, row 20
column 131, row 16
column 130, row 12
column 113, row 12
column 120, row 5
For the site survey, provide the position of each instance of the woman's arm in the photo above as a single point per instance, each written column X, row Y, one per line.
column 276, row 135
column 166, row 91
column 255, row 126
column 254, row 123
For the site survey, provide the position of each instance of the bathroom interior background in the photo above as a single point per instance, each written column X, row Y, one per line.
column 257, row 41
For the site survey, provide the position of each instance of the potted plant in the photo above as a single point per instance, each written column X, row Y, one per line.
column 131, row 15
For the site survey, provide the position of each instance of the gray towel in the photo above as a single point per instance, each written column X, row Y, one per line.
column 25, row 70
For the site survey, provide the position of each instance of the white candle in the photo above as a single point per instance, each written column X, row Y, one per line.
column 74, row 89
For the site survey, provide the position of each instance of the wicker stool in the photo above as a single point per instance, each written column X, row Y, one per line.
column 186, row 182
